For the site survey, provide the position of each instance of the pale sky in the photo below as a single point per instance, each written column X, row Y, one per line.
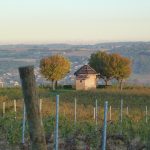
column 87, row 21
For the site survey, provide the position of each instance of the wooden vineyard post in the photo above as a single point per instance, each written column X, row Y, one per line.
column 36, row 129
column 146, row 114
column 110, row 113
column 121, row 110
column 104, row 126
column 57, row 123
column 41, row 109
column 4, row 106
column 75, row 111
column 127, row 111
column 99, row 108
column 23, row 124
column 41, row 105
column 15, row 110
column 96, row 115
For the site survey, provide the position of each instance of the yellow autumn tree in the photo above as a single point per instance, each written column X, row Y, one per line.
column 54, row 68
column 123, row 70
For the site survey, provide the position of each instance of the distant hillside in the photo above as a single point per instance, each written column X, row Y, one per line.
column 11, row 56
column 139, row 53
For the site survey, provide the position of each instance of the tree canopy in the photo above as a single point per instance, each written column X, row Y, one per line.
column 101, row 61
column 54, row 68
column 110, row 66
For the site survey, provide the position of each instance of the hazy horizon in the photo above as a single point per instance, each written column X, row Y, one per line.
column 70, row 43
column 68, row 21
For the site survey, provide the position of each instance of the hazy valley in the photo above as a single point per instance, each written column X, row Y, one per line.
column 14, row 56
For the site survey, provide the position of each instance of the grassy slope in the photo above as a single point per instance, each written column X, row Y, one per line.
column 138, row 97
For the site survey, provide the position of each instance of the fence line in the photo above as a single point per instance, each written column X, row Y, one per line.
column 96, row 110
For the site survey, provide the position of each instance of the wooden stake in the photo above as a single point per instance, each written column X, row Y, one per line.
column 75, row 111
column 23, row 124
column 36, row 129
column 4, row 107
column 146, row 115
column 41, row 105
column 15, row 110
column 110, row 112
column 121, row 110
column 127, row 111
column 94, row 113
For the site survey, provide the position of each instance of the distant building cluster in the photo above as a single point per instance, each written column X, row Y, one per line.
column 12, row 79
column 9, row 79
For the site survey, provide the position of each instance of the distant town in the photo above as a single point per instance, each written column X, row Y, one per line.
column 11, row 79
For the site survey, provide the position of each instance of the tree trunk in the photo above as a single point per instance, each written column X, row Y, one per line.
column 106, row 82
column 36, row 129
column 121, row 84
column 118, row 84
column 56, row 84
column 53, row 85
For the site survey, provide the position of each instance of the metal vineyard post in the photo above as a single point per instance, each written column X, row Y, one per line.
column 57, row 123
column 104, row 127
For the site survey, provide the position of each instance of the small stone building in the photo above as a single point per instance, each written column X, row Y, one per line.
column 85, row 78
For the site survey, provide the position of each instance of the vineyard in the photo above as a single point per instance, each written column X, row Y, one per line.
column 127, row 118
